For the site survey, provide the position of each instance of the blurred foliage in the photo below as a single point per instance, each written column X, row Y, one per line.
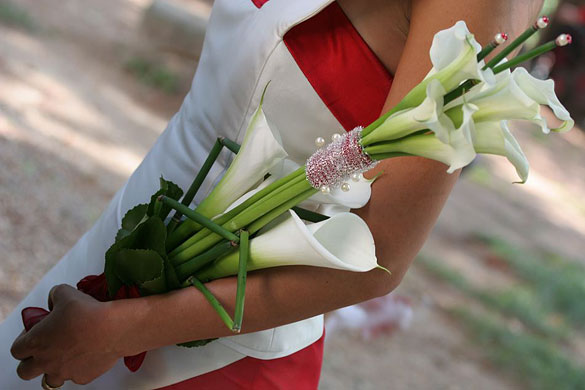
column 153, row 74
column 520, row 303
column 528, row 328
column 14, row 15
column 558, row 282
column 534, row 360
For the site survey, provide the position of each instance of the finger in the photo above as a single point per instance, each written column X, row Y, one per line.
column 29, row 369
column 21, row 348
column 53, row 381
column 58, row 293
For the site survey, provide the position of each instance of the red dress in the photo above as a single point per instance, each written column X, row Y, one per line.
column 353, row 84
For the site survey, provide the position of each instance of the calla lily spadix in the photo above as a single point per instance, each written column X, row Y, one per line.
column 343, row 241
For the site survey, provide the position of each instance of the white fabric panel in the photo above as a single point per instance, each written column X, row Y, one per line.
column 243, row 50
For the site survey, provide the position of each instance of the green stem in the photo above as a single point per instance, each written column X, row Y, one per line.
column 511, row 46
column 223, row 314
column 193, row 265
column 180, row 236
column 486, row 50
column 263, row 207
column 526, row 56
column 383, row 156
column 278, row 185
column 459, row 91
column 203, row 240
column 273, row 214
column 374, row 125
column 231, row 145
column 242, row 273
column 200, row 219
column 201, row 175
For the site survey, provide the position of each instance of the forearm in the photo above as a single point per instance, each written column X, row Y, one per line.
column 400, row 221
column 274, row 297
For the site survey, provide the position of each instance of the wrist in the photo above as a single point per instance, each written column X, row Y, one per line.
column 127, row 319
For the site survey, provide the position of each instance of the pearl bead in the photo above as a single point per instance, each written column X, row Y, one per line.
column 563, row 40
column 345, row 187
column 335, row 137
column 319, row 142
column 325, row 190
column 501, row 38
column 542, row 22
column 356, row 176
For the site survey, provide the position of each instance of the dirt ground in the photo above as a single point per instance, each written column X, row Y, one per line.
column 74, row 123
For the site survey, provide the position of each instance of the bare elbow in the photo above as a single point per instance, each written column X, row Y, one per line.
column 381, row 282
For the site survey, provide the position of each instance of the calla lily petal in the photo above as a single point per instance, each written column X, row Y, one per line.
column 343, row 241
column 454, row 57
column 543, row 92
column 259, row 153
column 496, row 138
column 456, row 153
column 506, row 100
column 411, row 120
column 357, row 197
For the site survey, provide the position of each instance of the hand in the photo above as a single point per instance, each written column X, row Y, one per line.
column 76, row 341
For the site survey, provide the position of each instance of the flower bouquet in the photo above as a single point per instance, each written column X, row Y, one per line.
column 258, row 215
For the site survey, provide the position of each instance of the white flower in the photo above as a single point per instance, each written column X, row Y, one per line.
column 543, row 92
column 515, row 95
column 445, row 143
column 260, row 152
column 408, row 121
column 454, row 58
column 496, row 138
column 343, row 241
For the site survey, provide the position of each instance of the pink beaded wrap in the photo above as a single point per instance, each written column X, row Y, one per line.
column 333, row 164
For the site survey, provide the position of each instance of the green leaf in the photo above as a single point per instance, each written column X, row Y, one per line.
column 131, row 220
column 150, row 234
column 196, row 343
column 172, row 279
column 169, row 189
column 142, row 267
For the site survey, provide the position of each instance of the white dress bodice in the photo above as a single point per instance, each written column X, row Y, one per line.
column 242, row 53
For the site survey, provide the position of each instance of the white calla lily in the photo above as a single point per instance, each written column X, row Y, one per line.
column 343, row 241
column 260, row 152
column 543, row 92
column 496, row 138
column 454, row 58
column 411, row 120
column 449, row 45
column 445, row 143
column 515, row 95
column 503, row 101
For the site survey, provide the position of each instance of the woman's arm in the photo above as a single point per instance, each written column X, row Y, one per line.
column 82, row 338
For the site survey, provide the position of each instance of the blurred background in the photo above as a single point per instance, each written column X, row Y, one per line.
column 495, row 299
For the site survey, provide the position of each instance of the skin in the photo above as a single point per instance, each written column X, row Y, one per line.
column 83, row 338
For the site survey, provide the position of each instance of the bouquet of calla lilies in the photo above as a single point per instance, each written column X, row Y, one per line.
column 260, row 214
